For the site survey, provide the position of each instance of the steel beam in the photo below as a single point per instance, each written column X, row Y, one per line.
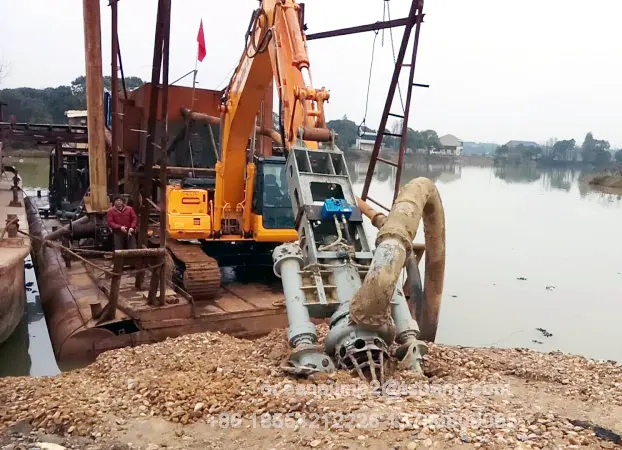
column 146, row 182
column 163, row 149
column 361, row 28
column 115, row 100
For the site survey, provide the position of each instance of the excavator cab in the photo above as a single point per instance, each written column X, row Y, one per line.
column 272, row 205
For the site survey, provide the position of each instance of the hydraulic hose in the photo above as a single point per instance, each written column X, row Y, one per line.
column 371, row 305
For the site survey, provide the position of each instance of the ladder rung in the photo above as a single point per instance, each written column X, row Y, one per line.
column 421, row 85
column 386, row 161
column 396, row 115
column 406, row 65
column 392, row 134
column 379, row 204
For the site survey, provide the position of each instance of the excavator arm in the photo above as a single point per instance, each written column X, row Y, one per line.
column 275, row 50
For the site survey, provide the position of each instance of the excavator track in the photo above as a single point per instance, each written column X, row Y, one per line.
column 197, row 273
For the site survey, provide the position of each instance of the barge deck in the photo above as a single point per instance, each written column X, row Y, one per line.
column 85, row 319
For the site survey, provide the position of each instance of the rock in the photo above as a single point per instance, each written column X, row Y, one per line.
column 315, row 443
column 50, row 446
column 152, row 447
column 411, row 446
column 199, row 406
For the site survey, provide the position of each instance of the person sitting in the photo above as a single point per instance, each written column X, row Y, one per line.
column 122, row 220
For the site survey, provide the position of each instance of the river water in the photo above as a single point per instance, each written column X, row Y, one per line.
column 527, row 249
column 29, row 351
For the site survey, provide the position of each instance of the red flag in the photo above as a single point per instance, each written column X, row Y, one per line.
column 201, row 41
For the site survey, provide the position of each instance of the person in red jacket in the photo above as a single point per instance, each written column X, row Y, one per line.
column 122, row 220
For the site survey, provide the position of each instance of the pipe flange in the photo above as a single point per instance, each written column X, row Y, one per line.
column 289, row 250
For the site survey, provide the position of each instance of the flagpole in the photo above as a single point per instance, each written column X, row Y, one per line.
column 194, row 80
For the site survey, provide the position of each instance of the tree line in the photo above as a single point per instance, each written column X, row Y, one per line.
column 591, row 151
column 348, row 132
column 49, row 105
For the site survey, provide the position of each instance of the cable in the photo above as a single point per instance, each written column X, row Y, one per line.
column 399, row 89
column 264, row 40
column 371, row 66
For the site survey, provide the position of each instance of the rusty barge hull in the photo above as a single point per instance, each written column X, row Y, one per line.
column 74, row 295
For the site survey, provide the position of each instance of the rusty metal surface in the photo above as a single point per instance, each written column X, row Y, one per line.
column 12, row 294
column 201, row 274
column 115, row 132
column 317, row 134
column 262, row 130
column 66, row 295
column 43, row 133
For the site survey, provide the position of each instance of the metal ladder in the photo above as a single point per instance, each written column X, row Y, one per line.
column 415, row 18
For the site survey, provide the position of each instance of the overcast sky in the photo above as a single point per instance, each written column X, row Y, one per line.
column 497, row 69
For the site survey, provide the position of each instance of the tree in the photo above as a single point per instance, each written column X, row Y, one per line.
column 347, row 132
column 562, row 150
column 618, row 156
column 78, row 86
column 595, row 151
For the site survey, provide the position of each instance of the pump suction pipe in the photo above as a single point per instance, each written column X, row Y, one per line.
column 371, row 305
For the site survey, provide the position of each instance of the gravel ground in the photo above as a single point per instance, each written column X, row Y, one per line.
column 211, row 390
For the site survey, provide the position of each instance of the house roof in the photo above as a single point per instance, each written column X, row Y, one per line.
column 367, row 136
column 524, row 143
column 449, row 140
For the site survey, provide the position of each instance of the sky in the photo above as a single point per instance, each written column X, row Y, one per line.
column 497, row 69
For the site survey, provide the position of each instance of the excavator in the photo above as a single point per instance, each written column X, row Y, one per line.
column 246, row 211
column 300, row 210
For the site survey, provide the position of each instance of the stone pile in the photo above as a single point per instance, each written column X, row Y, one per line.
column 490, row 398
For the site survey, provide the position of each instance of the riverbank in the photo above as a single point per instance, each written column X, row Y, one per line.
column 211, row 390
column 609, row 179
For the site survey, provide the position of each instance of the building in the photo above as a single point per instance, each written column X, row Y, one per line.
column 450, row 145
column 75, row 117
column 366, row 141
column 514, row 144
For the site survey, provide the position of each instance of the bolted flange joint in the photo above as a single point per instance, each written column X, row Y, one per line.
column 289, row 250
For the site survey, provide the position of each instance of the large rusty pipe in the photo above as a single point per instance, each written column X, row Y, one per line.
column 370, row 306
column 70, row 335
column 213, row 120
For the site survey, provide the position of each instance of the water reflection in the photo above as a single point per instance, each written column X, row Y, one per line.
column 526, row 247
column 524, row 173
column 448, row 171
column 414, row 166
column 28, row 351
column 34, row 170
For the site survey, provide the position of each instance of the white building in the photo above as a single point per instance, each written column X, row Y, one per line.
column 366, row 142
column 75, row 117
column 450, row 145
